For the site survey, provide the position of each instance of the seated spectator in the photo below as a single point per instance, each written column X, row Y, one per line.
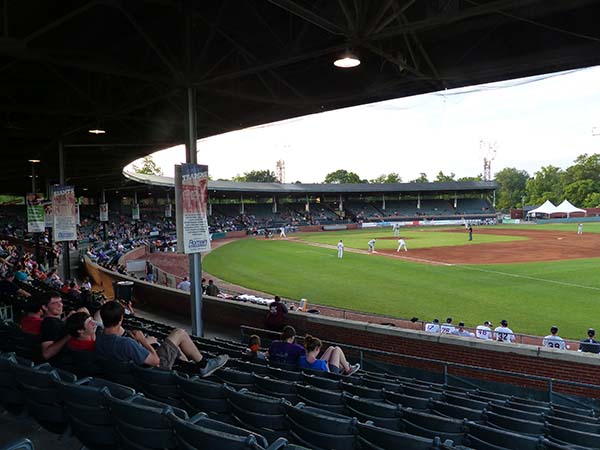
column 82, row 331
column 53, row 335
column 332, row 360
column 553, row 340
column 285, row 351
column 86, row 285
column 503, row 333
column 135, row 347
column 212, row 289
column 32, row 322
column 433, row 326
column 184, row 285
column 484, row 331
column 253, row 350
column 8, row 286
column 589, row 345
column 276, row 315
column 460, row 331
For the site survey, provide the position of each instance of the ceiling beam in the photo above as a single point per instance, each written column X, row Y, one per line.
column 310, row 16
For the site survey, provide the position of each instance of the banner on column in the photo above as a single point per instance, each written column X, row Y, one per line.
column 103, row 212
column 169, row 210
column 194, row 196
column 35, row 213
column 64, row 213
column 135, row 211
column 77, row 214
column 48, row 216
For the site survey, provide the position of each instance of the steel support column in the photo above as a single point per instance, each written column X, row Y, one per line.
column 66, row 252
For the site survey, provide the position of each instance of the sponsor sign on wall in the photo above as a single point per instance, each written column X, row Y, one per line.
column 64, row 213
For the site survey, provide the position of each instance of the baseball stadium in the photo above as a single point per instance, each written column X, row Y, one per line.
column 142, row 311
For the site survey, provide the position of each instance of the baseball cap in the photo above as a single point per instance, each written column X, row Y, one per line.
column 487, row 322
column 504, row 323
column 436, row 321
column 554, row 329
column 591, row 332
column 449, row 320
column 461, row 324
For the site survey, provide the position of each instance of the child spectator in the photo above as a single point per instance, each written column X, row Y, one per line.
column 253, row 350
column 333, row 359
column 82, row 331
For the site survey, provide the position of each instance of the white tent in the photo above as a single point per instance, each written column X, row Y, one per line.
column 547, row 208
column 567, row 207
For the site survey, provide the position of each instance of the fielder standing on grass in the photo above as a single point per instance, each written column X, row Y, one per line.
column 340, row 247
column 470, row 230
column 580, row 229
column 371, row 244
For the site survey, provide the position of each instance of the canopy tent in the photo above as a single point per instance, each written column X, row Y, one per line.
column 567, row 207
column 547, row 208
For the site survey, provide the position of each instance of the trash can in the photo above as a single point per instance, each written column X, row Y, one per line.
column 123, row 290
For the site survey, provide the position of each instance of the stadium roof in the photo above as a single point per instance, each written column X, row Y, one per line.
column 70, row 66
column 232, row 187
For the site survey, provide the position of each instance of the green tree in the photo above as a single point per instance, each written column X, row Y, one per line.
column 421, row 179
column 257, row 176
column 342, row 176
column 149, row 167
column 592, row 200
column 391, row 177
column 442, row 178
column 584, row 168
column 477, row 178
column 578, row 191
column 511, row 187
column 546, row 184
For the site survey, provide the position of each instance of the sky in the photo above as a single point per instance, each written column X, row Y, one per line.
column 531, row 122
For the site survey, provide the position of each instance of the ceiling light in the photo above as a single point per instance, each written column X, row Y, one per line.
column 347, row 61
column 97, row 131
column 34, row 161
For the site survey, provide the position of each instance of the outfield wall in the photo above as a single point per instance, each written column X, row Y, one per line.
column 523, row 359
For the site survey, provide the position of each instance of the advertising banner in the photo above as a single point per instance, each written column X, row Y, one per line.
column 48, row 216
column 135, row 211
column 194, row 197
column 103, row 212
column 35, row 213
column 64, row 213
column 168, row 210
column 78, row 214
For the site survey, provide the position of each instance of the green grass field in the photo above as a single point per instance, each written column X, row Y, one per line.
column 531, row 296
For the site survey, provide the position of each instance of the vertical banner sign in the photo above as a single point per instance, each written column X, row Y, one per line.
column 48, row 216
column 78, row 214
column 135, row 211
column 103, row 212
column 194, row 196
column 35, row 213
column 168, row 210
column 65, row 213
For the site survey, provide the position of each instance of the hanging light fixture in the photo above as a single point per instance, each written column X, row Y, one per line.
column 96, row 130
column 347, row 60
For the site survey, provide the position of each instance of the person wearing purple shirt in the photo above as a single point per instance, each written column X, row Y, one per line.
column 286, row 351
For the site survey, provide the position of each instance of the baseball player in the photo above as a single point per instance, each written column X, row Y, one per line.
column 580, row 229
column 401, row 245
column 433, row 326
column 340, row 247
column 503, row 333
column 396, row 228
column 371, row 244
column 484, row 331
column 448, row 328
column 282, row 232
column 554, row 341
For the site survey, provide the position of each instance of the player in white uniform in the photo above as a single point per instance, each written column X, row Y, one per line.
column 448, row 328
column 462, row 332
column 340, row 247
column 503, row 333
column 554, row 341
column 396, row 228
column 433, row 326
column 371, row 244
column 580, row 229
column 401, row 244
column 484, row 331
column 282, row 232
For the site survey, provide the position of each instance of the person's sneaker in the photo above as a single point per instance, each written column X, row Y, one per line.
column 212, row 365
column 353, row 369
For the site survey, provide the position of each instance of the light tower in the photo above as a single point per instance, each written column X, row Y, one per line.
column 280, row 171
column 488, row 149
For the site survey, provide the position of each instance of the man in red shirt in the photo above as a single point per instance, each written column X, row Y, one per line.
column 32, row 322
column 276, row 315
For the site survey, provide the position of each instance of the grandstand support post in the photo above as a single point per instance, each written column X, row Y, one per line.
column 341, row 203
column 195, row 258
column 66, row 254
column 383, row 202
column 419, row 200
column 445, row 374
column 494, row 202
column 550, row 391
column 455, row 199
column 242, row 204
column 274, row 203
column 307, row 205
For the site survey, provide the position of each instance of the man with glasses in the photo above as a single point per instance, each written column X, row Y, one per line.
column 54, row 333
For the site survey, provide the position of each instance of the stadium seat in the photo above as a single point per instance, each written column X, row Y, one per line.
column 21, row 444
column 200, row 395
column 235, row 378
column 372, row 437
column 465, row 402
column 528, row 407
column 573, row 437
column 487, row 396
column 321, row 382
column 142, row 423
column 455, row 411
column 282, row 374
column 430, row 425
column 381, row 414
column 380, row 384
column 275, row 388
column 249, row 367
column 516, row 413
column 11, row 396
column 564, row 414
column 362, row 391
column 573, row 410
column 513, row 424
column 418, row 392
column 321, row 398
column 407, row 401
column 578, row 425
column 85, row 405
column 158, row 384
column 317, row 428
column 201, row 432
column 482, row 437
column 118, row 371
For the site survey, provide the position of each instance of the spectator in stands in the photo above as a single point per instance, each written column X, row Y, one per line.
column 53, row 334
column 8, row 286
column 212, row 289
column 253, row 350
column 589, row 345
column 553, row 340
column 86, row 285
column 460, row 331
column 203, row 285
column 484, row 331
column 285, row 351
column 276, row 315
column 184, row 285
column 113, row 344
column 503, row 333
column 332, row 360
column 31, row 323
column 82, row 331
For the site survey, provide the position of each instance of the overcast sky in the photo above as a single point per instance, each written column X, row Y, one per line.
column 533, row 121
